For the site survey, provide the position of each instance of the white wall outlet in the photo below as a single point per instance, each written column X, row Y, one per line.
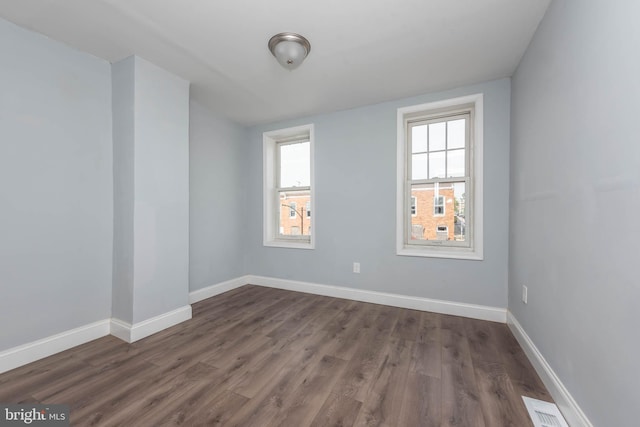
column 524, row 294
column 356, row 267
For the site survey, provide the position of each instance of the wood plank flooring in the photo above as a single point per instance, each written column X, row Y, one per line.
column 257, row 356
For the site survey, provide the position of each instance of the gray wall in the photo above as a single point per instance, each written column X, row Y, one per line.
column 56, row 209
column 161, row 203
column 217, row 198
column 123, row 106
column 151, row 197
column 575, row 198
column 355, row 176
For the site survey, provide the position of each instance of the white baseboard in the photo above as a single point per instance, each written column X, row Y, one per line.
column 217, row 289
column 30, row 352
column 120, row 329
column 481, row 312
column 131, row 333
column 565, row 402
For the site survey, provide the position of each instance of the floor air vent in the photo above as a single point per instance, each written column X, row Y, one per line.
column 544, row 414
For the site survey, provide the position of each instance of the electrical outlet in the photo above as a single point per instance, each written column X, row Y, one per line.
column 524, row 294
column 356, row 267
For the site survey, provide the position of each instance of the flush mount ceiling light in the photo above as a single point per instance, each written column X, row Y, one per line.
column 290, row 49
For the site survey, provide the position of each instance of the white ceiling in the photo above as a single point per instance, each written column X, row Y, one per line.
column 362, row 51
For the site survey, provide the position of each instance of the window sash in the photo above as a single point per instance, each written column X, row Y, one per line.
column 296, row 139
column 410, row 124
column 278, row 205
column 467, row 243
column 468, row 115
column 281, row 143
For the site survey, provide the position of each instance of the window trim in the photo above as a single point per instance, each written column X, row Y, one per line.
column 271, row 227
column 404, row 114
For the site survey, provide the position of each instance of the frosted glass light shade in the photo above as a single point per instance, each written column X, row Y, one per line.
column 290, row 49
column 290, row 54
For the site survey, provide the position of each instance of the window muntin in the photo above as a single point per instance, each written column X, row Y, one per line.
column 439, row 153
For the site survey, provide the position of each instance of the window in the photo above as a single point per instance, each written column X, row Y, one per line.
column 440, row 169
column 442, row 232
column 438, row 206
column 288, row 185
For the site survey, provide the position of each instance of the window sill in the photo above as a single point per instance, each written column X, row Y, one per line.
column 451, row 253
column 291, row 244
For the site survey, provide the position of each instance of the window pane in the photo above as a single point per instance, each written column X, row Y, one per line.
column 419, row 139
column 455, row 163
column 456, row 133
column 437, row 136
column 293, row 219
column 437, row 165
column 419, row 166
column 460, row 231
column 295, row 165
column 439, row 212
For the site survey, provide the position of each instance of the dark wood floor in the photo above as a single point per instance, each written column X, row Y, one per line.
column 265, row 357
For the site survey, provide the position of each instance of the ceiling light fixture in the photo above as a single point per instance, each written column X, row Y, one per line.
column 290, row 49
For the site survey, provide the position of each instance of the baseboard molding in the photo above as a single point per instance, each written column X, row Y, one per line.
column 567, row 404
column 30, row 352
column 18, row 356
column 217, row 289
column 120, row 329
column 131, row 333
column 481, row 312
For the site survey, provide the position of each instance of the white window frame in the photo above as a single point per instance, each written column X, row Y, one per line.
column 414, row 206
column 474, row 202
column 307, row 209
column 271, row 201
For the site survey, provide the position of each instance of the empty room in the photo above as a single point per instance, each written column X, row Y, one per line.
column 362, row 213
